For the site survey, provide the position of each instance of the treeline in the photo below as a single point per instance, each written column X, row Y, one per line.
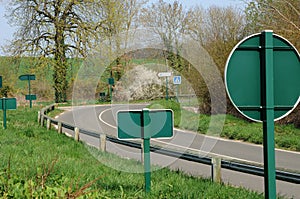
column 56, row 32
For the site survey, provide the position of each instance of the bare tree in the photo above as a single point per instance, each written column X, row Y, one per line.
column 119, row 16
column 280, row 15
column 170, row 22
column 56, row 29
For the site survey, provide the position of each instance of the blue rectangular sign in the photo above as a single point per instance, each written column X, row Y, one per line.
column 177, row 80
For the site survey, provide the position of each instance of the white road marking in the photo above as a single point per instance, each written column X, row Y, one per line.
column 187, row 148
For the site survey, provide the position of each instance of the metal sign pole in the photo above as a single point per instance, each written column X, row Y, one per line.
column 268, row 115
column 167, row 97
column 29, row 90
column 146, row 141
column 4, row 112
column 177, row 91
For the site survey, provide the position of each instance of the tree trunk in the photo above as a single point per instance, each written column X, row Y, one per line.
column 60, row 68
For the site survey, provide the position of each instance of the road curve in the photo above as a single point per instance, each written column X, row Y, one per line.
column 102, row 119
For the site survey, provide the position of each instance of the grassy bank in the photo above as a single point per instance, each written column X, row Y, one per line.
column 286, row 136
column 36, row 163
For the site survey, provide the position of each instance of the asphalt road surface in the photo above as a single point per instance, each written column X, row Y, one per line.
column 102, row 119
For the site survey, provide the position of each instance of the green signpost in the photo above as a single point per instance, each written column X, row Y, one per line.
column 262, row 81
column 0, row 81
column 7, row 104
column 167, row 75
column 111, row 82
column 145, row 124
column 29, row 97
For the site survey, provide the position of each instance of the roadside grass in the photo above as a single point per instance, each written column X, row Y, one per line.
column 286, row 136
column 36, row 163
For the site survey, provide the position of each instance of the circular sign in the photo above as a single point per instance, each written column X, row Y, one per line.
column 244, row 76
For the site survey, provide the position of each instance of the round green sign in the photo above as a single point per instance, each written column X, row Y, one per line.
column 244, row 76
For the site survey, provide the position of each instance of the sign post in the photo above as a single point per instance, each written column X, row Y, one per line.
column 111, row 82
column 145, row 124
column 268, row 114
column 29, row 96
column 7, row 104
column 146, row 135
column 165, row 74
column 262, row 78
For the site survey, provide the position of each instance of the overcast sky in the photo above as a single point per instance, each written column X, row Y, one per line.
column 6, row 31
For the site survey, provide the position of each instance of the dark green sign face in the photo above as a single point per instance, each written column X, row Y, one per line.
column 130, row 124
column 111, row 81
column 0, row 81
column 10, row 103
column 243, row 77
column 27, row 77
column 30, row 97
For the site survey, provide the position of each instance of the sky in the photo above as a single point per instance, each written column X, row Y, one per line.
column 6, row 31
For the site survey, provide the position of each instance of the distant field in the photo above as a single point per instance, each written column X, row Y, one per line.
column 36, row 163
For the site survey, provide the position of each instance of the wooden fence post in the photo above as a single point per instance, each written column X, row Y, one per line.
column 216, row 169
column 39, row 117
column 76, row 137
column 48, row 124
column 102, row 142
column 42, row 121
column 59, row 127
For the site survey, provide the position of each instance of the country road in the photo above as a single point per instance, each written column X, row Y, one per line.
column 102, row 119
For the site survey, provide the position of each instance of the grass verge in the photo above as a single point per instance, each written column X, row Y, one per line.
column 36, row 163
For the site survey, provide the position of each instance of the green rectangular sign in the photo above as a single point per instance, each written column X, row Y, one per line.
column 27, row 77
column 30, row 97
column 0, row 81
column 10, row 103
column 130, row 124
column 111, row 81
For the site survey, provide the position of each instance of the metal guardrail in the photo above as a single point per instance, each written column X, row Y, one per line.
column 234, row 166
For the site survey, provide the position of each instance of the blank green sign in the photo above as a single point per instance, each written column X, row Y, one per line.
column 130, row 124
column 243, row 76
column 11, row 103
column 30, row 97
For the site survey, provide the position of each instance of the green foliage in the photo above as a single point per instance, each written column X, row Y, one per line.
column 36, row 163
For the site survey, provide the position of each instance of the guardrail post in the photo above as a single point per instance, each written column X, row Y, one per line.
column 48, row 124
column 102, row 142
column 39, row 117
column 59, row 127
column 76, row 137
column 42, row 121
column 216, row 169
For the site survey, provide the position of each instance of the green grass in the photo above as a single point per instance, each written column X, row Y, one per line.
column 36, row 163
column 286, row 136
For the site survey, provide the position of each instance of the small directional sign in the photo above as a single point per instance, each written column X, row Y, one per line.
column 177, row 80
column 164, row 74
column 27, row 77
column 30, row 97
column 0, row 81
